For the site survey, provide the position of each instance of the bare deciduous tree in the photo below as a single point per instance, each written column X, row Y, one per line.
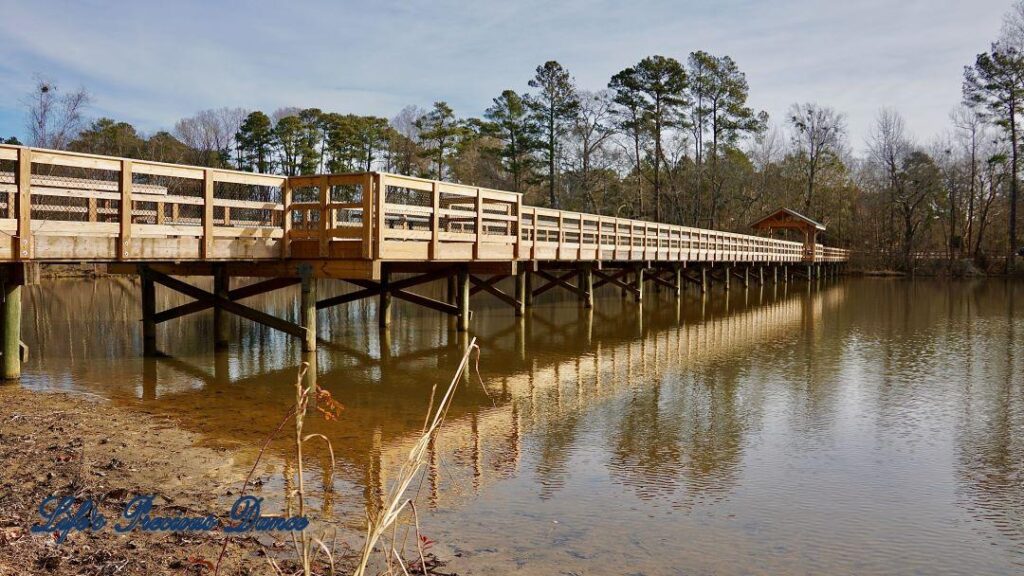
column 817, row 137
column 211, row 133
column 55, row 118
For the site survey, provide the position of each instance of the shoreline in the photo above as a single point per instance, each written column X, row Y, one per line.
column 66, row 444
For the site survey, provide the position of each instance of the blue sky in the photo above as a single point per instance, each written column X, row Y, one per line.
column 150, row 63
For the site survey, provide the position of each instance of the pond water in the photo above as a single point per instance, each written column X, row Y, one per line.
column 860, row 426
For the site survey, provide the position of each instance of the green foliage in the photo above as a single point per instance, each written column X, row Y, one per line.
column 552, row 108
column 255, row 143
column 440, row 134
column 354, row 143
column 508, row 121
column 105, row 136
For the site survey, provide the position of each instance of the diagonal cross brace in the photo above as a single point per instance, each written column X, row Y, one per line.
column 557, row 281
column 228, row 305
column 236, row 294
column 614, row 279
column 481, row 285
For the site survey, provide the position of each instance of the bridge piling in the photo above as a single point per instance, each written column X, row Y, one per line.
column 221, row 289
column 12, row 329
column 586, row 284
column 520, row 291
column 638, row 296
column 462, row 281
column 307, row 309
column 384, row 308
column 148, row 311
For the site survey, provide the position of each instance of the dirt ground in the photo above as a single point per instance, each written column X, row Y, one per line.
column 61, row 444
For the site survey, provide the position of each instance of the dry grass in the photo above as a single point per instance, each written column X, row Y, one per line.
column 307, row 547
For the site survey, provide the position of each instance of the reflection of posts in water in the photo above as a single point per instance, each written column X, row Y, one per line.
column 221, row 367
column 521, row 337
column 585, row 321
column 384, row 344
column 375, row 476
column 477, row 457
column 679, row 311
column 149, row 379
column 309, row 377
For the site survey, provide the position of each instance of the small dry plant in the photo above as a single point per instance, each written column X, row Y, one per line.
column 395, row 503
column 306, row 545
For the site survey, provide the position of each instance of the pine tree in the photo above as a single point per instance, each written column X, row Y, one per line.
column 553, row 107
column 508, row 120
column 440, row 133
column 995, row 84
column 255, row 141
column 658, row 86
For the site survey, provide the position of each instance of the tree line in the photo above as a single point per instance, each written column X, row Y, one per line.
column 672, row 140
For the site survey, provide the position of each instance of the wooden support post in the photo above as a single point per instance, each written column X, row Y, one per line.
column 384, row 309
column 785, row 274
column 463, row 303
column 639, row 271
column 520, row 292
column 12, row 330
column 308, row 312
column 452, row 292
column 810, row 272
column 587, row 284
column 775, row 275
column 760, row 275
column 746, row 276
column 222, row 289
column 728, row 272
column 677, row 279
column 703, row 280
column 148, row 312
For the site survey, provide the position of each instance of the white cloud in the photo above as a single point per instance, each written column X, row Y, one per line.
column 151, row 63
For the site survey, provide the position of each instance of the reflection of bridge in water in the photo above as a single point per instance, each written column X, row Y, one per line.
column 543, row 373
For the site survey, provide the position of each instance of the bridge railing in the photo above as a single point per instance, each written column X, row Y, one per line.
column 418, row 219
column 68, row 206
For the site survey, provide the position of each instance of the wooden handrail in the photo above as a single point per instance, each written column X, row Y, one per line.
column 424, row 219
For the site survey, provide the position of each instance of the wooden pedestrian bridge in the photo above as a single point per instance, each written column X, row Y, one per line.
column 384, row 233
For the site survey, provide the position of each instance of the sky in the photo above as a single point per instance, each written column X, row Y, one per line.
column 151, row 63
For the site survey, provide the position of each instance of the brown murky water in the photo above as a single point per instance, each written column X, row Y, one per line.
column 860, row 427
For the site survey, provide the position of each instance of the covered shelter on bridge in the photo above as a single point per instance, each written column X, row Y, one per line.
column 786, row 219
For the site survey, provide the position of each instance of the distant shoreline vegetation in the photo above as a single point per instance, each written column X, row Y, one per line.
column 667, row 139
